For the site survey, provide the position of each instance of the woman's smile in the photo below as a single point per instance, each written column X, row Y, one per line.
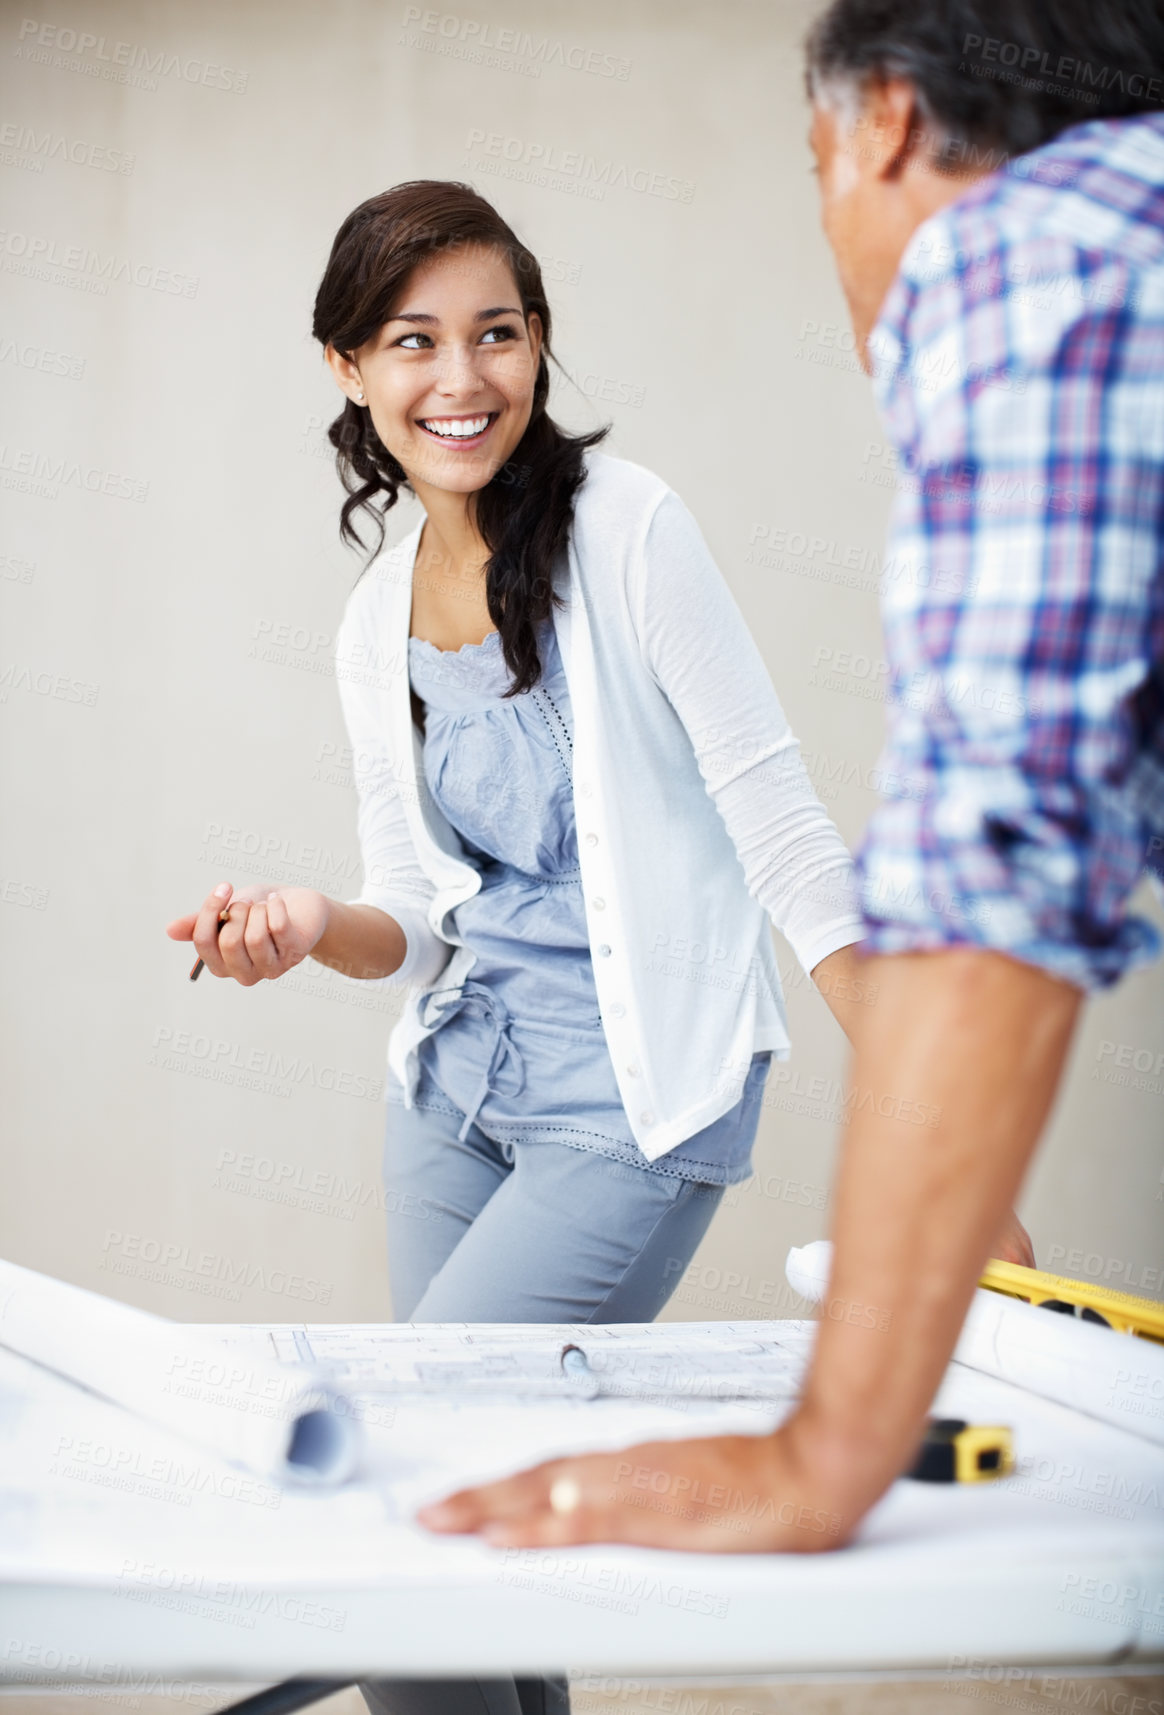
column 459, row 431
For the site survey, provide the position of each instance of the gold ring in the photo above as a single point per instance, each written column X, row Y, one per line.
column 565, row 1495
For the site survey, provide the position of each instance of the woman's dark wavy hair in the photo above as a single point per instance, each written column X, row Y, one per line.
column 524, row 513
column 998, row 76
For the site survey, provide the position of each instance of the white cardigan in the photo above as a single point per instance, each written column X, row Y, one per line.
column 696, row 819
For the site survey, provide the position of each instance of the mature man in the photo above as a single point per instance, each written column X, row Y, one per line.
column 992, row 183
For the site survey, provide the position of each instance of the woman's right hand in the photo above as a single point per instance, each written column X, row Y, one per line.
column 269, row 930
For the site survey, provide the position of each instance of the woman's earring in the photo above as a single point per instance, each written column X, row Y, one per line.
column 359, row 398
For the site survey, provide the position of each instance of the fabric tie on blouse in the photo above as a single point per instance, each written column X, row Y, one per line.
column 500, row 769
column 444, row 1004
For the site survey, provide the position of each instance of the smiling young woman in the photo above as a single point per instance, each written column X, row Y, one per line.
column 580, row 810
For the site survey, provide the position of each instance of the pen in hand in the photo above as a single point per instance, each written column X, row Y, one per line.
column 199, row 964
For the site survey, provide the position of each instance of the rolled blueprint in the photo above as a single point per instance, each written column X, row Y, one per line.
column 274, row 1419
column 1116, row 1377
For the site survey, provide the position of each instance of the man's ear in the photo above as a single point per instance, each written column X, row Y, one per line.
column 892, row 125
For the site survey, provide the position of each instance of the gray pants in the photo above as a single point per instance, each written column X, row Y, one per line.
column 482, row 1231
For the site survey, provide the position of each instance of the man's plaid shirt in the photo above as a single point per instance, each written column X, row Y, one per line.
column 1020, row 373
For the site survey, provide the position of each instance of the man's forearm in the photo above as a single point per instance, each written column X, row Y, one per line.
column 957, row 1064
column 955, row 1070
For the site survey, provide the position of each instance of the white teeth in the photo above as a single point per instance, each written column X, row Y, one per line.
column 463, row 430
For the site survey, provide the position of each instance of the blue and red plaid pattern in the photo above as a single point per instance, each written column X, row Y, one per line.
column 1019, row 364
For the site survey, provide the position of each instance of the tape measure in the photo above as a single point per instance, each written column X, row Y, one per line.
column 1120, row 1310
column 955, row 1451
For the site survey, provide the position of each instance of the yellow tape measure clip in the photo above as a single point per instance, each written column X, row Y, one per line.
column 955, row 1451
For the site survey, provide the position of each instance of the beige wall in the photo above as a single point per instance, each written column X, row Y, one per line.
column 172, row 582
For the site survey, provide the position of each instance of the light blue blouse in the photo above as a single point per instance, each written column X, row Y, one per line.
column 520, row 1047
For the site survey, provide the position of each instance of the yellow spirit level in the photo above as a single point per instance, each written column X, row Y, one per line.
column 1120, row 1310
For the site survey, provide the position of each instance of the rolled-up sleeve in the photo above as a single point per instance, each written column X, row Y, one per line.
column 1022, row 607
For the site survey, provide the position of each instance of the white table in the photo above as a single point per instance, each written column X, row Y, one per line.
column 1062, row 1565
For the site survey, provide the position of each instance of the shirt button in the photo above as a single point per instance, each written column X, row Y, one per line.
column 592, row 839
column 618, row 1010
column 604, row 951
column 647, row 1117
column 598, row 904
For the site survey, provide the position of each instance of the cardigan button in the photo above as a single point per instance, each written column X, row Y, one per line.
column 647, row 1117
column 598, row 904
column 632, row 1070
column 604, row 951
column 592, row 839
column 618, row 1010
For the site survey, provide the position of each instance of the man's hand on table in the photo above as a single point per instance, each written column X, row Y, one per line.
column 970, row 1038
column 719, row 1494
column 726, row 1494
